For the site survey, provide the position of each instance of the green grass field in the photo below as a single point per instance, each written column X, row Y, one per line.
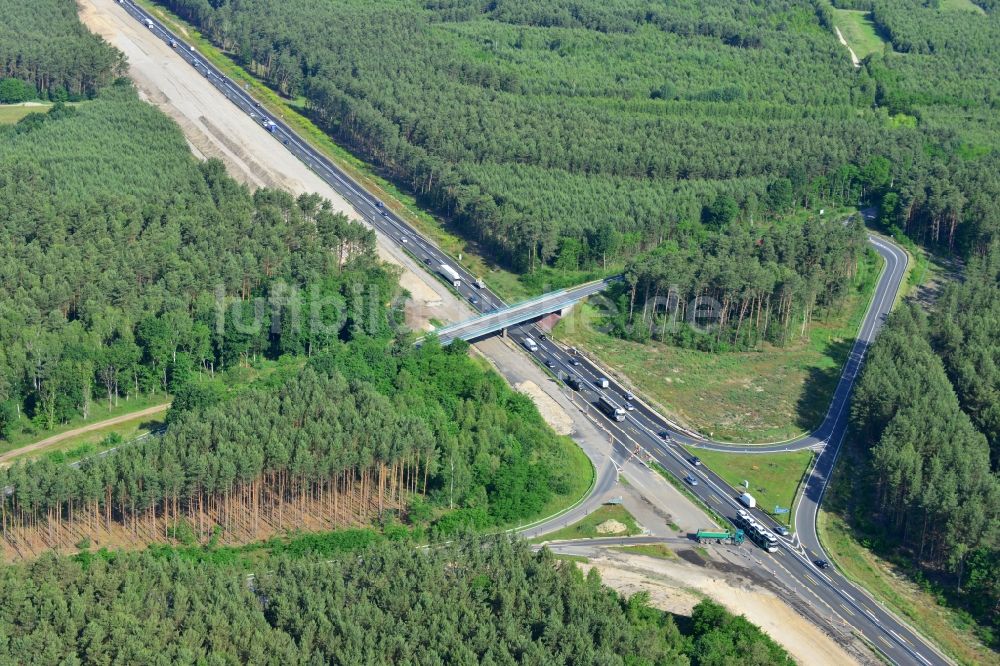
column 657, row 550
column 961, row 6
column 747, row 397
column 26, row 432
column 587, row 528
column 859, row 31
column 94, row 441
column 11, row 113
column 774, row 477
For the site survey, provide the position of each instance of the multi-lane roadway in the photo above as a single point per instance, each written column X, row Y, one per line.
column 644, row 430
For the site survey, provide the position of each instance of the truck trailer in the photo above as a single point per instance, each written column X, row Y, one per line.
column 612, row 410
column 450, row 274
column 710, row 536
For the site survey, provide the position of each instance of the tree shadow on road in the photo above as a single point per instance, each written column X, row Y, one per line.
column 819, row 386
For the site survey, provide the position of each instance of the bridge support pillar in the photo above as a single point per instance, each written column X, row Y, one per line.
column 503, row 332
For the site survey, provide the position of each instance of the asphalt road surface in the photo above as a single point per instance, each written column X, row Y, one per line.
column 643, row 431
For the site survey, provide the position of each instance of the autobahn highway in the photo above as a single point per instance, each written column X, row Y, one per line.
column 644, row 431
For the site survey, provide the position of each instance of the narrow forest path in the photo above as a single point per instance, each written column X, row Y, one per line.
column 6, row 458
column 854, row 57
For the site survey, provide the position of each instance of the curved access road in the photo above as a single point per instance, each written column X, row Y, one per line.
column 835, row 421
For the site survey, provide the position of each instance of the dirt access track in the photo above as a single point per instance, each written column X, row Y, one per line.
column 214, row 128
column 7, row 457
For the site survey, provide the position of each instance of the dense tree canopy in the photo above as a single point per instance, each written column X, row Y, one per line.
column 389, row 426
column 532, row 122
column 43, row 43
column 763, row 285
column 469, row 602
column 965, row 332
column 529, row 123
column 121, row 255
column 929, row 473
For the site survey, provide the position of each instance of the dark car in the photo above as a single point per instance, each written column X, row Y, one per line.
column 664, row 434
column 691, row 480
column 574, row 361
column 549, row 363
column 696, row 461
column 822, row 564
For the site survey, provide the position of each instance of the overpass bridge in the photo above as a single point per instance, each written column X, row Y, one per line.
column 519, row 313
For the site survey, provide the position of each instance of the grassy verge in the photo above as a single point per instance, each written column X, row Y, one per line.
column 657, row 550
column 859, row 30
column 26, row 432
column 774, row 478
column 587, row 527
column 508, row 285
column 11, row 113
column 580, row 472
column 844, row 541
column 773, row 394
column 573, row 558
column 85, row 444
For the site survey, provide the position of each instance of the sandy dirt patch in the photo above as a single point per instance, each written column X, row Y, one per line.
column 611, row 526
column 677, row 586
column 554, row 415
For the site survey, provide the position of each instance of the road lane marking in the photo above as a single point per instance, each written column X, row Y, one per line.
column 883, row 639
column 849, row 611
column 898, row 637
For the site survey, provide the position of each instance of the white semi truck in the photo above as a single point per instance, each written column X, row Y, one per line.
column 450, row 274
